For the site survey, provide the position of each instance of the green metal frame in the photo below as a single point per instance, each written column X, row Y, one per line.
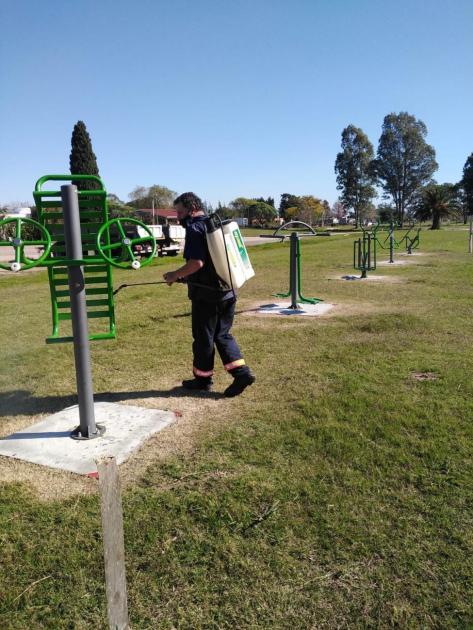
column 127, row 255
column 411, row 242
column 364, row 257
column 18, row 244
column 295, row 271
column 97, row 272
column 300, row 297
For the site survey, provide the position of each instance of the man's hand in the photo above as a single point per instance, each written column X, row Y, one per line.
column 170, row 277
column 189, row 268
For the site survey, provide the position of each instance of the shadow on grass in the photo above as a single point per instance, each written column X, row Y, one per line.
column 22, row 402
column 164, row 318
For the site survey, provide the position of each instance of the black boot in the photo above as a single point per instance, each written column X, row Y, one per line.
column 198, row 384
column 240, row 382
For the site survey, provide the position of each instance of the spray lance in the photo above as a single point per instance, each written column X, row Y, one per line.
column 181, row 281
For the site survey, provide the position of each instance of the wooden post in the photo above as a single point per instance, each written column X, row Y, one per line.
column 470, row 242
column 113, row 543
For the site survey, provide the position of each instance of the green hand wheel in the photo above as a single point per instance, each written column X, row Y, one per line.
column 18, row 243
column 117, row 230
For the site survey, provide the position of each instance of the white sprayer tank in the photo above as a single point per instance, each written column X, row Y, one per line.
column 238, row 262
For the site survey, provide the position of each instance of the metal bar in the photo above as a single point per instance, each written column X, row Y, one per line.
column 72, row 234
column 293, row 270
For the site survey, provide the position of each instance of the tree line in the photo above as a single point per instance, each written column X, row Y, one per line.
column 257, row 210
column 403, row 169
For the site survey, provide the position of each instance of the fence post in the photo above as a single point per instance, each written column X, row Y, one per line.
column 113, row 543
column 470, row 242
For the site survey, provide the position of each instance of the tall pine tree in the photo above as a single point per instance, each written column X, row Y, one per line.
column 82, row 160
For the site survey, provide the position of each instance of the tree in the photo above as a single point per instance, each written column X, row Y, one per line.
column 467, row 184
column 82, row 160
column 224, row 211
column 241, row 207
column 262, row 213
column 405, row 162
column 116, row 208
column 292, row 213
column 437, row 201
column 326, row 211
column 311, row 209
column 339, row 210
column 386, row 213
column 154, row 196
column 287, row 201
column 354, row 172
column 269, row 200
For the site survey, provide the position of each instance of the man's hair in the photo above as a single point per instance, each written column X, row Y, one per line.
column 190, row 201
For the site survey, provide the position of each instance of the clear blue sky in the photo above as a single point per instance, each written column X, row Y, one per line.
column 226, row 97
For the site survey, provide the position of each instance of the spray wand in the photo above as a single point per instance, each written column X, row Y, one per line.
column 192, row 284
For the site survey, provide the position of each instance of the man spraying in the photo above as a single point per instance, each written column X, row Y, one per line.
column 213, row 304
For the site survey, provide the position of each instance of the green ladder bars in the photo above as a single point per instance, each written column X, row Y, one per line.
column 97, row 272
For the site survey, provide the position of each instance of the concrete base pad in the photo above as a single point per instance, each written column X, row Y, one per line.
column 369, row 278
column 396, row 263
column 49, row 443
column 283, row 308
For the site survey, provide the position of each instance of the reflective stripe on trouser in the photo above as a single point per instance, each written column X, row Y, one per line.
column 211, row 324
column 201, row 373
column 234, row 364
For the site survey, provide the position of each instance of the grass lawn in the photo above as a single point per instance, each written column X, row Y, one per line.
column 335, row 493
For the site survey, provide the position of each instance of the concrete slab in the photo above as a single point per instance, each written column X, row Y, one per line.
column 49, row 443
column 283, row 308
column 369, row 278
column 396, row 263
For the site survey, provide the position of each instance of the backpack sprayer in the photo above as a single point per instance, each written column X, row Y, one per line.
column 228, row 254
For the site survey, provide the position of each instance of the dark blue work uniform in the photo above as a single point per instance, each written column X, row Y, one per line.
column 213, row 308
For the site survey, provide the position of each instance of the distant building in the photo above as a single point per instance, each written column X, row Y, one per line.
column 162, row 216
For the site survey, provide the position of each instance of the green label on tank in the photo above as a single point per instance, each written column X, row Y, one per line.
column 241, row 247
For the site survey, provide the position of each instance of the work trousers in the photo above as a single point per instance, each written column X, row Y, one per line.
column 211, row 324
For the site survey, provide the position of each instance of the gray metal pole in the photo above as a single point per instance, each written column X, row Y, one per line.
column 391, row 245
column 73, row 240
column 293, row 270
column 364, row 256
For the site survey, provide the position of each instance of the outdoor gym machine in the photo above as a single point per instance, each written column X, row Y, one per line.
column 74, row 230
column 390, row 239
column 364, row 252
column 294, row 262
column 411, row 240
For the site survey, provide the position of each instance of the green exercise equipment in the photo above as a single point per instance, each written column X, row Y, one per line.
column 127, row 259
column 364, row 252
column 75, row 231
column 19, row 243
column 295, row 282
column 97, row 254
